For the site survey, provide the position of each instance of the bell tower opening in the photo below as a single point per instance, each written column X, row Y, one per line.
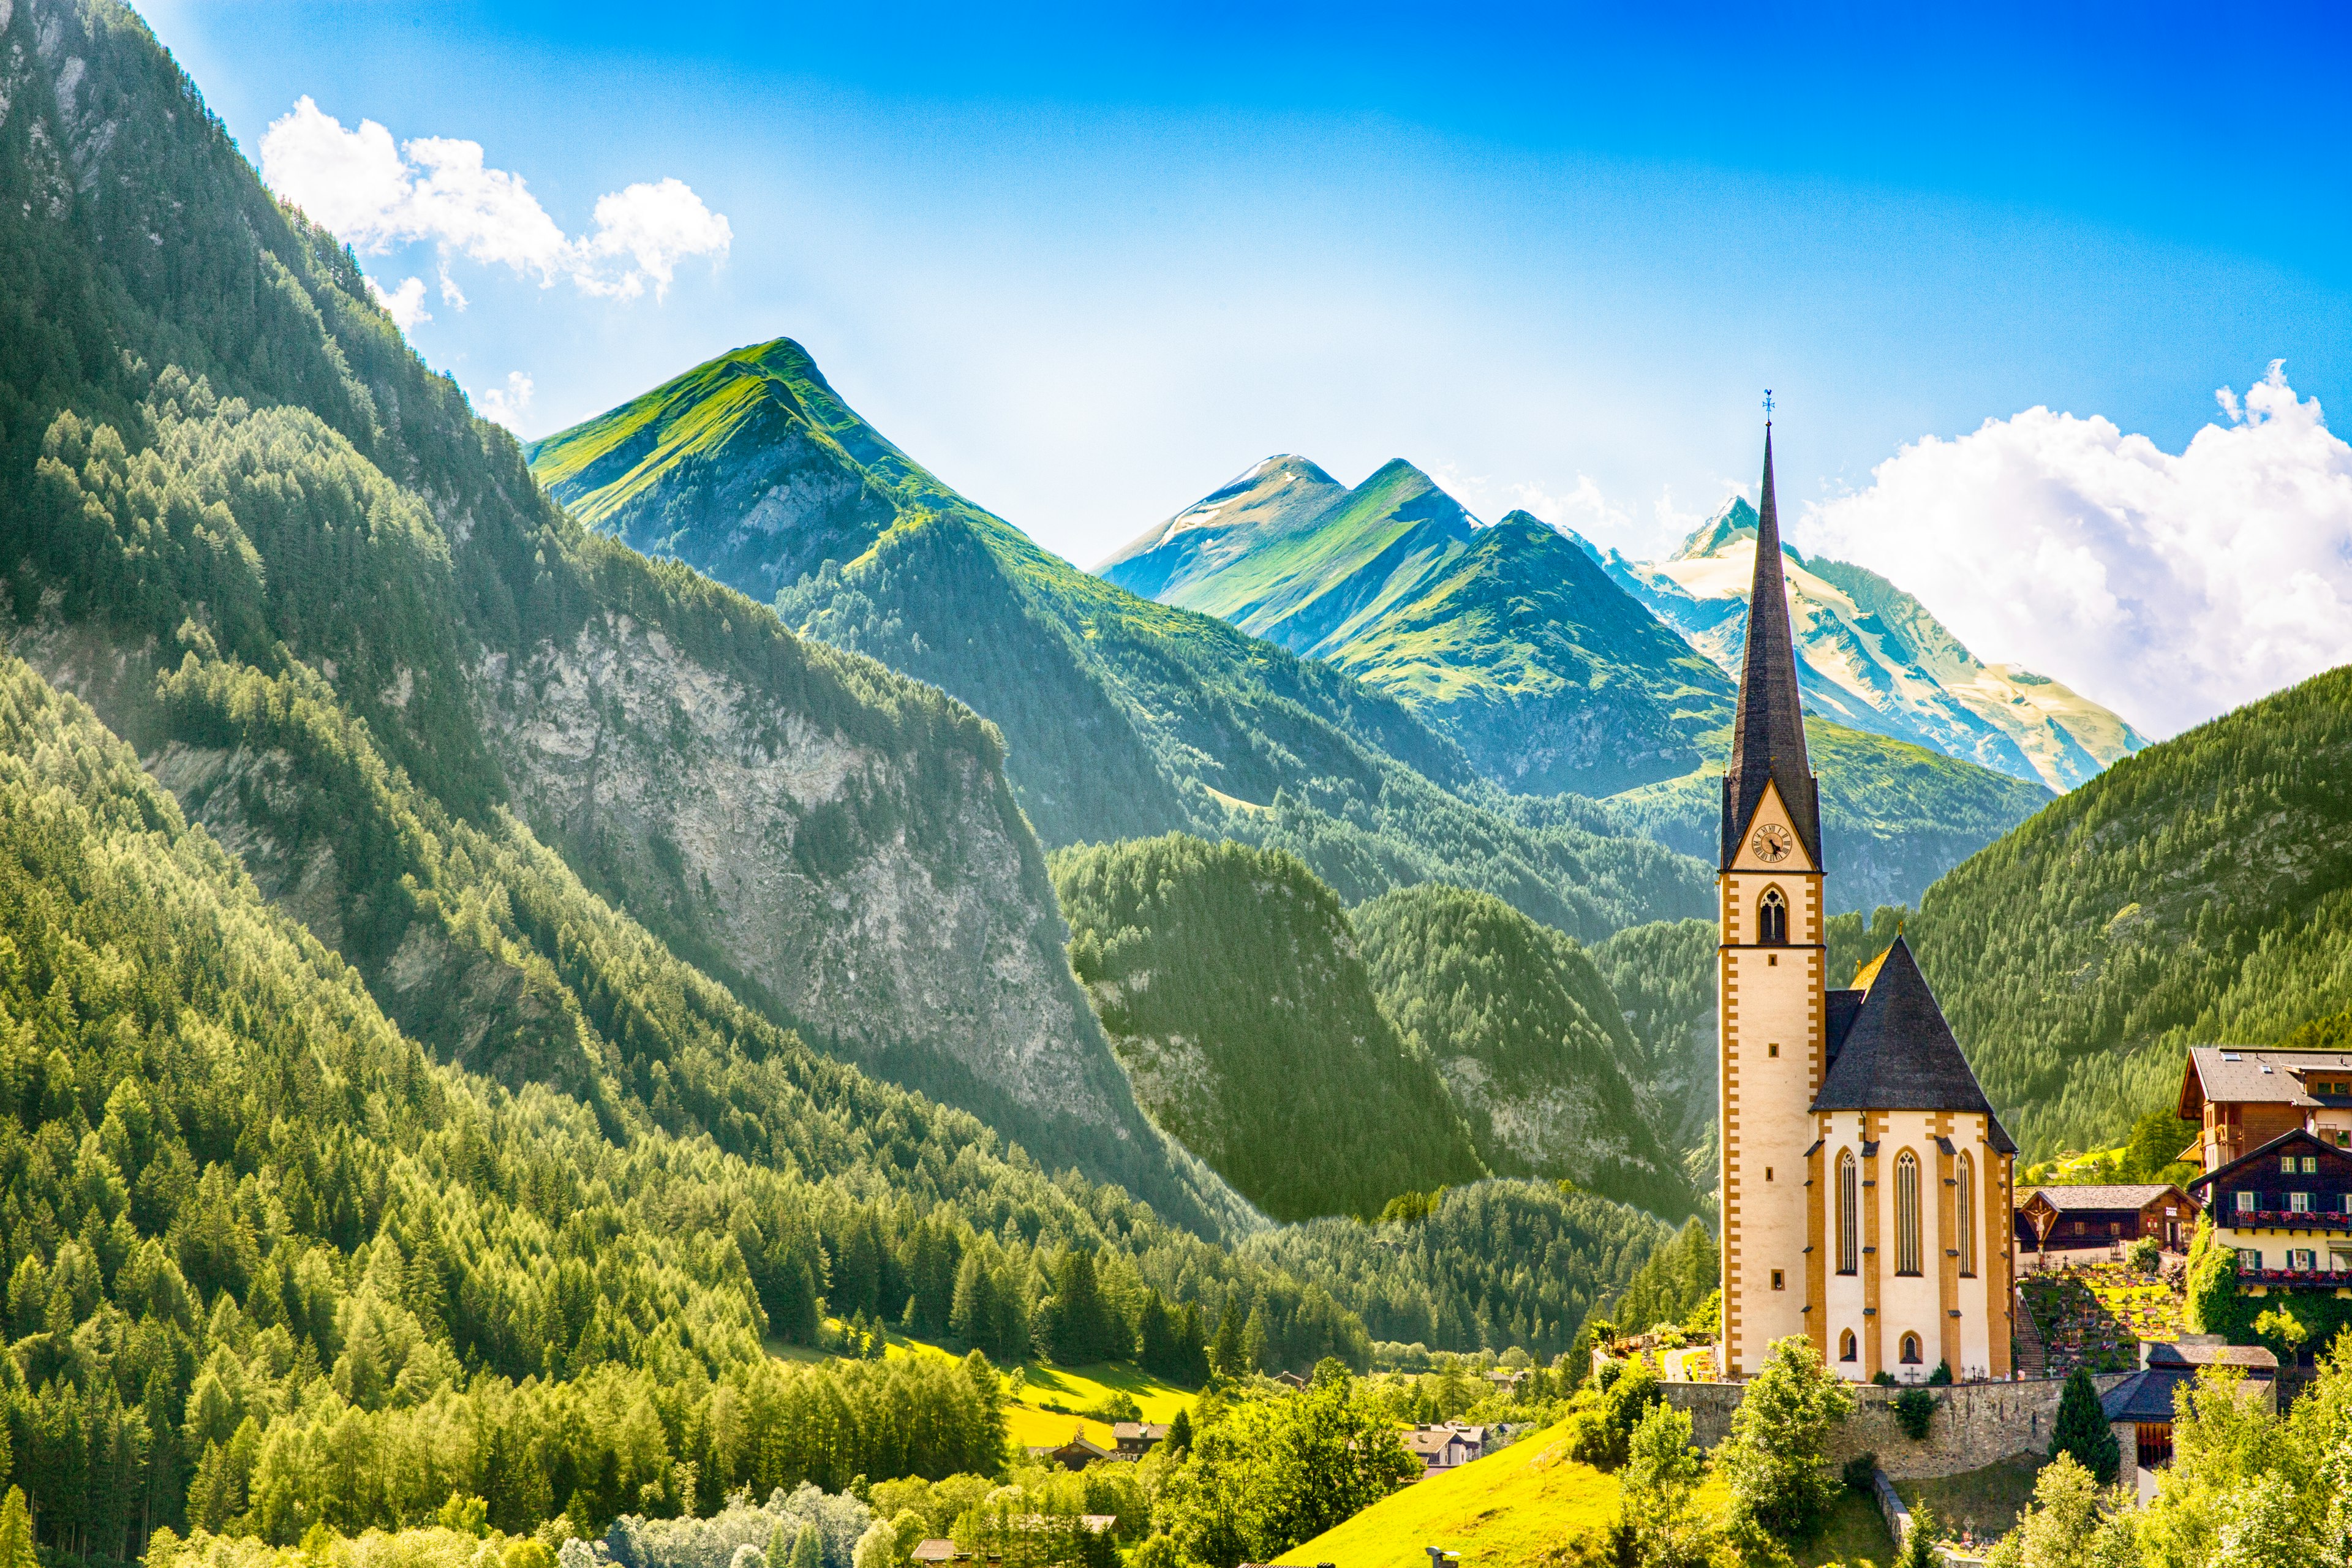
column 1772, row 918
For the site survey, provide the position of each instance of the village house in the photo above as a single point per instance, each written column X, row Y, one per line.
column 2241, row 1098
column 1077, row 1454
column 2285, row 1209
column 1442, row 1448
column 2057, row 1219
column 1136, row 1438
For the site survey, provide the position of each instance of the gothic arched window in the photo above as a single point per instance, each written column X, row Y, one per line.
column 1849, row 1198
column 1906, row 1213
column 1910, row 1349
column 1846, row 1345
column 1966, row 1206
column 1772, row 918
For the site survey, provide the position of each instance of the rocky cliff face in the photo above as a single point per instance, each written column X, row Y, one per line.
column 896, row 907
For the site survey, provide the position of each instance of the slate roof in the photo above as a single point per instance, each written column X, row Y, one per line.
column 1767, row 735
column 2232, row 1073
column 1899, row 1054
column 2144, row 1397
column 2163, row 1354
column 1844, row 1008
column 2130, row 1195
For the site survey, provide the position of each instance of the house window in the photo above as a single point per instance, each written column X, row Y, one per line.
column 2245, row 1203
column 2311, row 1165
column 1910, row 1349
column 1777, row 1283
column 2301, row 1258
column 1846, row 1351
column 2298, row 1203
column 1906, row 1213
column 1968, row 1215
column 2286, row 1164
column 1773, row 1049
column 2249, row 1258
column 1772, row 918
column 1849, row 1188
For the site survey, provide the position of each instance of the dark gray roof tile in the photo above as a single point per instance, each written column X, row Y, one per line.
column 1900, row 1054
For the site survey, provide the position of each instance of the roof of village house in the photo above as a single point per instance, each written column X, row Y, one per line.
column 1427, row 1440
column 934, row 1550
column 2263, row 1151
column 1899, row 1054
column 1138, row 1431
column 2129, row 1196
column 2239, row 1074
column 2166, row 1354
column 2145, row 1395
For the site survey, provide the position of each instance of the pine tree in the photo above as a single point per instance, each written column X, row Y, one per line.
column 808, row 1550
column 16, row 1532
column 1226, row 1359
column 2083, row 1431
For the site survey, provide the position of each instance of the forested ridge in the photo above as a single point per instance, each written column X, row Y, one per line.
column 1231, row 984
column 220, row 450
column 2200, row 891
column 1528, row 1038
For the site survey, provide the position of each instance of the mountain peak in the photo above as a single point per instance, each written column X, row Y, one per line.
column 1734, row 520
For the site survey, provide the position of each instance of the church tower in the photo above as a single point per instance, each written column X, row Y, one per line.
column 1771, row 976
column 1866, row 1183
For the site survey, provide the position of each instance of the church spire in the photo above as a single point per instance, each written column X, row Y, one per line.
column 1767, row 737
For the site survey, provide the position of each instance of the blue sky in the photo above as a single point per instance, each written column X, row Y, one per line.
column 1088, row 267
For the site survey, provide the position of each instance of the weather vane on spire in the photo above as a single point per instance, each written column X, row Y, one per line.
column 1767, row 405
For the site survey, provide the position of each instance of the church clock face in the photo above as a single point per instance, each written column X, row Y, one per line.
column 1771, row 843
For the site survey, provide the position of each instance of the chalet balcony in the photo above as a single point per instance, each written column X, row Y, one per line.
column 2307, row 1278
column 2284, row 1219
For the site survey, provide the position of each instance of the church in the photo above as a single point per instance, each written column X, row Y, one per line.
column 1865, row 1184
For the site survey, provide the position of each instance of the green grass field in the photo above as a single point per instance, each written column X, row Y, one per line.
column 1498, row 1510
column 1028, row 1418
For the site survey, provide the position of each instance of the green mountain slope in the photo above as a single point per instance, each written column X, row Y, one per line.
column 262, row 1250
column 224, row 462
column 1231, row 983
column 1663, row 976
column 395, row 1106
column 1510, row 639
column 1122, row 718
column 1895, row 816
column 1528, row 1038
column 2198, row 893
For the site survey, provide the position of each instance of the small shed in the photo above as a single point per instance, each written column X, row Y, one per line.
column 2140, row 1409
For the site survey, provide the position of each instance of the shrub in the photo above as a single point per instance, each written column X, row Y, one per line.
column 1776, row 1460
column 1915, row 1411
column 1858, row 1471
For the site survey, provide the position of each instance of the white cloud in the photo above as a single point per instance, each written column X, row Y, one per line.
column 2171, row 587
column 404, row 305
column 374, row 195
column 505, row 404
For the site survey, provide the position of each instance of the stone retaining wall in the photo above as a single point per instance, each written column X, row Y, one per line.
column 1976, row 1423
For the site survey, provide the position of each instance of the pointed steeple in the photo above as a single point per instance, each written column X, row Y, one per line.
column 1767, row 737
